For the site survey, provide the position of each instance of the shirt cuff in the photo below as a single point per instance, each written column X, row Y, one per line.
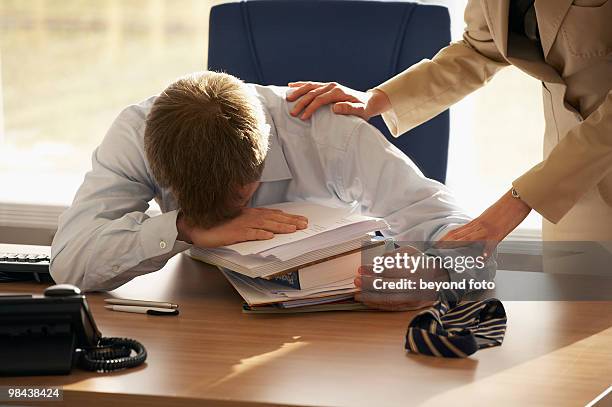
column 443, row 230
column 462, row 273
column 469, row 264
column 158, row 236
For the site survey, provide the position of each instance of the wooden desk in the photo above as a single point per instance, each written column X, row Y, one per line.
column 555, row 353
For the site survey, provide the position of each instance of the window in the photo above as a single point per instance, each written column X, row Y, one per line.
column 67, row 68
column 496, row 135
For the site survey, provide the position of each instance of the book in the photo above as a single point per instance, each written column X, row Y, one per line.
column 322, row 273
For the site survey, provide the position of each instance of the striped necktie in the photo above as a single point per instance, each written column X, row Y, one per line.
column 454, row 329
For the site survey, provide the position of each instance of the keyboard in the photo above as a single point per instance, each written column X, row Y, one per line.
column 21, row 262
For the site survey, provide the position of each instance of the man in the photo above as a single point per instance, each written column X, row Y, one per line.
column 208, row 149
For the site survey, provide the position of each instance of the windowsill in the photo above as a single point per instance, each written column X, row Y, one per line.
column 24, row 215
column 40, row 217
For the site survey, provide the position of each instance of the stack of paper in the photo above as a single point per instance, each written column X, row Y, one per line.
column 312, row 268
column 256, row 265
column 326, row 227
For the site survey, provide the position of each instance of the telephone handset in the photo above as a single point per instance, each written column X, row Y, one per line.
column 50, row 333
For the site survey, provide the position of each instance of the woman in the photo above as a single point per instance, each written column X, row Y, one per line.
column 566, row 45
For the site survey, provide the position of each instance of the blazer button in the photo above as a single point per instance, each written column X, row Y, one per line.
column 162, row 245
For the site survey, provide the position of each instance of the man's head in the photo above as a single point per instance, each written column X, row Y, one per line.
column 206, row 139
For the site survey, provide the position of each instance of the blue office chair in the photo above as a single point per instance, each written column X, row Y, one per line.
column 359, row 44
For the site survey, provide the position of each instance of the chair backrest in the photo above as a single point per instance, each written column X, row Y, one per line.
column 359, row 44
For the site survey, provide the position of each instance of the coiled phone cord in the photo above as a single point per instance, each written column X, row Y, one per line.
column 113, row 354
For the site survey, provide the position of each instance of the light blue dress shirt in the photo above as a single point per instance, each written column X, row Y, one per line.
column 105, row 238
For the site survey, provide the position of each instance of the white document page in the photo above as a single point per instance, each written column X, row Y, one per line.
column 320, row 219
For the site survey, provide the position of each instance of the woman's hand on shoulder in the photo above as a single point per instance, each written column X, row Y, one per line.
column 311, row 96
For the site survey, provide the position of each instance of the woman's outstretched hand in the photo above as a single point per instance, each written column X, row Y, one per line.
column 491, row 227
column 313, row 95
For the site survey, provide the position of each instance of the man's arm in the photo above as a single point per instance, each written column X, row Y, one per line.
column 431, row 86
column 105, row 238
column 388, row 184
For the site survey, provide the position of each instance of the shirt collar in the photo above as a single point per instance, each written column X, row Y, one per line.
column 275, row 165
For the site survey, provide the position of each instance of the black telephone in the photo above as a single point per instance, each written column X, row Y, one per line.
column 49, row 334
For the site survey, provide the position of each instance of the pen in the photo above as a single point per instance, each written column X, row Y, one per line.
column 142, row 310
column 140, row 303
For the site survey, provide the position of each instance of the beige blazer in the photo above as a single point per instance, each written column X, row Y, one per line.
column 572, row 187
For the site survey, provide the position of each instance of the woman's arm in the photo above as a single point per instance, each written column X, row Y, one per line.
column 581, row 160
column 431, row 86
column 577, row 164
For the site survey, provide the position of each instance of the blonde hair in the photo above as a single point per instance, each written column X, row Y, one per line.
column 205, row 137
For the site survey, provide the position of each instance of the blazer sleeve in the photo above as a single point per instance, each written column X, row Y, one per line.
column 578, row 163
column 431, row 86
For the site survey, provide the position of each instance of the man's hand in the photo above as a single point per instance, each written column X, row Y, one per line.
column 251, row 224
column 491, row 227
column 314, row 95
column 374, row 294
